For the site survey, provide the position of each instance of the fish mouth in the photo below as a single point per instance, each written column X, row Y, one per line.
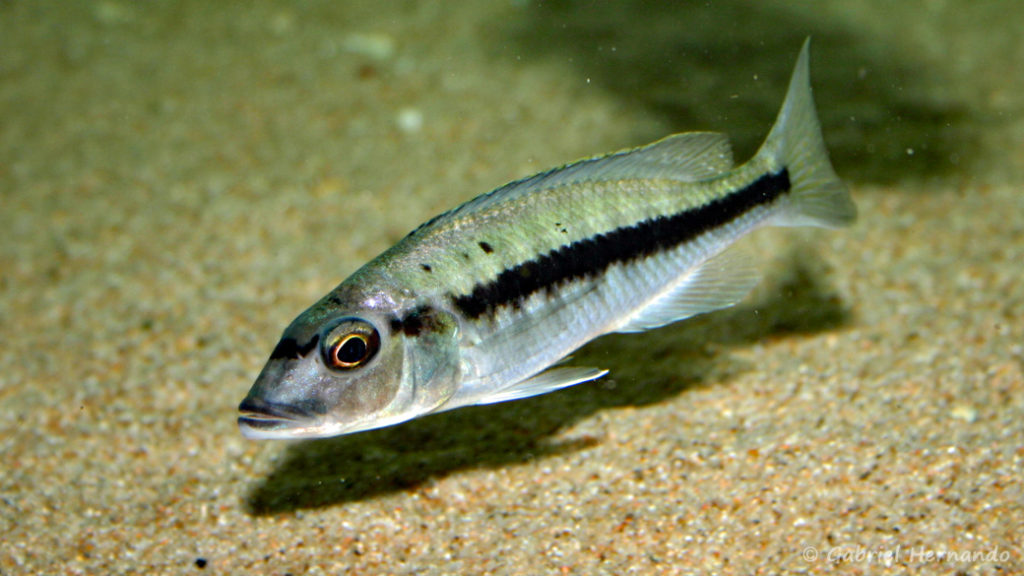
column 261, row 420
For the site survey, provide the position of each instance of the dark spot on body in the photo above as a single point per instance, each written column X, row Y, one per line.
column 487, row 248
column 465, row 255
column 414, row 323
column 200, row 563
column 426, row 267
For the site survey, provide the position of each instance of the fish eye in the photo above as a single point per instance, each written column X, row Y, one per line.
column 350, row 343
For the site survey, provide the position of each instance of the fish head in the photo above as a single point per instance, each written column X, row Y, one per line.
column 351, row 370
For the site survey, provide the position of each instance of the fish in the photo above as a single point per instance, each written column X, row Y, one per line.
column 484, row 303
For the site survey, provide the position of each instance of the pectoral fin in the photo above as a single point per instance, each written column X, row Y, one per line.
column 547, row 381
column 722, row 281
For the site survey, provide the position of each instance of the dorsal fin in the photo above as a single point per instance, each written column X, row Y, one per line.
column 687, row 157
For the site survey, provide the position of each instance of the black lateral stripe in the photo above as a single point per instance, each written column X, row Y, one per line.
column 592, row 256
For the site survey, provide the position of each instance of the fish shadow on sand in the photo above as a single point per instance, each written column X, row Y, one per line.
column 645, row 369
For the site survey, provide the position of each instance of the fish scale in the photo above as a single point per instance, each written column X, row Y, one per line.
column 483, row 303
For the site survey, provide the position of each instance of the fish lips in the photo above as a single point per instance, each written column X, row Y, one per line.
column 260, row 419
column 269, row 412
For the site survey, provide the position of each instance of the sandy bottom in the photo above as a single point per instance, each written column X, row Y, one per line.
column 179, row 180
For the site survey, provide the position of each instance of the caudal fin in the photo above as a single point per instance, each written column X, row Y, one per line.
column 817, row 197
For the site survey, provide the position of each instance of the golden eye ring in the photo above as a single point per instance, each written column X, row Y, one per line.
column 351, row 344
column 350, row 351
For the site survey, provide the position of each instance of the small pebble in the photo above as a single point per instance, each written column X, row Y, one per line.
column 374, row 45
column 409, row 120
column 964, row 412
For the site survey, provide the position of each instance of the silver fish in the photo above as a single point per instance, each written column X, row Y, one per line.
column 480, row 304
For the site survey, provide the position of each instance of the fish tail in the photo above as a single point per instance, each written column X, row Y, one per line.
column 817, row 196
